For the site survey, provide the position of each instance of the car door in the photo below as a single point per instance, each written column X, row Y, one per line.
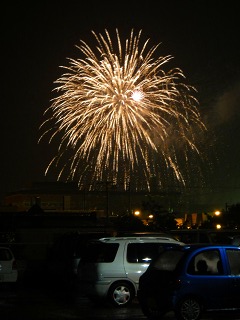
column 208, row 280
column 233, row 268
column 136, row 259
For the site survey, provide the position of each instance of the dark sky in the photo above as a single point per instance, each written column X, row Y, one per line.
column 202, row 36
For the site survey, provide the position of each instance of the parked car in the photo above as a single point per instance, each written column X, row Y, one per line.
column 110, row 267
column 191, row 280
column 64, row 256
column 222, row 236
column 8, row 266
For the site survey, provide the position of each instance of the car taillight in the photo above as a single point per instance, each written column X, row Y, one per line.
column 14, row 265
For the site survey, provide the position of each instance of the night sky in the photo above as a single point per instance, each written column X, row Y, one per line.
column 202, row 36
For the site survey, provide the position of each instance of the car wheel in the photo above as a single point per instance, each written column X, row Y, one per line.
column 121, row 294
column 189, row 309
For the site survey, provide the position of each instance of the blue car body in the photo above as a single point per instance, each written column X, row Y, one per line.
column 174, row 281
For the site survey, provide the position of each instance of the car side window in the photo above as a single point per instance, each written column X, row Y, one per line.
column 234, row 261
column 143, row 252
column 208, row 262
column 5, row 254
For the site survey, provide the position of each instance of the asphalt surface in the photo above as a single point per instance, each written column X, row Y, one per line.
column 36, row 301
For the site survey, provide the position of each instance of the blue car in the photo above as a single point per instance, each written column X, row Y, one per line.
column 192, row 280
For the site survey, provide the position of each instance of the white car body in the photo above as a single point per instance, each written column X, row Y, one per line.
column 8, row 266
column 117, row 277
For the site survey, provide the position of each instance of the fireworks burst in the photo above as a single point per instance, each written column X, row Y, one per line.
column 121, row 117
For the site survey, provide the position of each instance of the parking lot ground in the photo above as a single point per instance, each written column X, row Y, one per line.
column 45, row 303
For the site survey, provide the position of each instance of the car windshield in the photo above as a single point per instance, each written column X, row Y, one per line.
column 167, row 260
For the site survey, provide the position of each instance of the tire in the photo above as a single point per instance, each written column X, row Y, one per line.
column 189, row 308
column 121, row 294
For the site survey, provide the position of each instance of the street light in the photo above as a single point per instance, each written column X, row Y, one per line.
column 137, row 213
column 217, row 213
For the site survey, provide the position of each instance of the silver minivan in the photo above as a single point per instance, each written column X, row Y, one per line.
column 110, row 267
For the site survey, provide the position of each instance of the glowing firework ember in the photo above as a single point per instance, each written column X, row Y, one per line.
column 121, row 117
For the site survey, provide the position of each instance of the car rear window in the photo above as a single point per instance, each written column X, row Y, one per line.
column 5, row 254
column 99, row 252
column 168, row 260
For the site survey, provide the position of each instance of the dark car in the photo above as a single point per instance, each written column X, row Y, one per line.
column 64, row 255
column 214, row 236
column 192, row 280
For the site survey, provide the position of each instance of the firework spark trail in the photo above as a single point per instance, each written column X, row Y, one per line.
column 117, row 112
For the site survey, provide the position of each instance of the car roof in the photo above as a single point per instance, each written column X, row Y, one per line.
column 132, row 238
column 144, row 234
column 6, row 248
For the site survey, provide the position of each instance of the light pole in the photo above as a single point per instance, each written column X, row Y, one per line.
column 107, row 201
column 129, row 200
